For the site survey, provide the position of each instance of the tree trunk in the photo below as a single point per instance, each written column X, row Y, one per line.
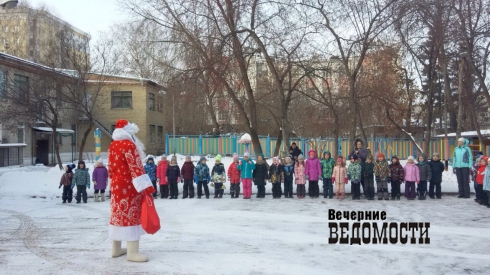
column 353, row 106
column 209, row 107
column 255, row 141
column 57, row 147
column 84, row 139
column 278, row 145
column 285, row 131
column 336, row 130
column 460, row 100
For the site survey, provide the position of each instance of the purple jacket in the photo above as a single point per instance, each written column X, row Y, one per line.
column 313, row 168
column 100, row 176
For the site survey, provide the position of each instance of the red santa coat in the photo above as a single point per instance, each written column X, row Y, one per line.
column 128, row 180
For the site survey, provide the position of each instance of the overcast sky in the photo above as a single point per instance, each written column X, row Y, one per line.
column 90, row 16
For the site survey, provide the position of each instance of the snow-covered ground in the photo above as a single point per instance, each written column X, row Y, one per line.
column 231, row 236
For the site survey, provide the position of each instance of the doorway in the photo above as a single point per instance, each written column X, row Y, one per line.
column 42, row 152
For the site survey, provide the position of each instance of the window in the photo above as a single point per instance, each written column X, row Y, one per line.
column 160, row 134
column 3, row 83
column 122, row 100
column 20, row 133
column 58, row 95
column 152, row 134
column 152, row 102
column 21, row 85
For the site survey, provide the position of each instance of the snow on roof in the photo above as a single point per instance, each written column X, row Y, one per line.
column 13, row 145
column 31, row 63
column 58, row 130
column 469, row 134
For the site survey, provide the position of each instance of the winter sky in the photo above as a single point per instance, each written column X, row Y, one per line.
column 90, row 16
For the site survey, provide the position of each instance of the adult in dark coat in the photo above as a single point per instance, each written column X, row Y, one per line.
column 362, row 152
column 294, row 151
column 437, row 168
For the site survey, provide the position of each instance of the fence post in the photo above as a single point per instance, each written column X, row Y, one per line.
column 303, row 145
column 234, row 144
column 167, row 146
column 200, row 145
column 268, row 146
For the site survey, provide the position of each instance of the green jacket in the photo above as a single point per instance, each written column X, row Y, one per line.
column 382, row 170
column 246, row 168
column 327, row 167
column 354, row 171
column 81, row 177
column 462, row 157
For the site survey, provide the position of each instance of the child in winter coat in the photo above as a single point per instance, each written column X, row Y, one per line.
column 151, row 171
column 480, row 175
column 300, row 177
column 99, row 178
column 313, row 172
column 187, row 173
column 261, row 174
column 339, row 177
column 397, row 175
column 234, row 176
column 382, row 172
column 276, row 177
column 425, row 176
column 367, row 170
column 288, row 172
column 474, row 169
column 327, row 164
column 218, row 177
column 246, row 167
column 173, row 177
column 436, row 167
column 66, row 183
column 354, row 175
column 81, row 179
column 486, row 182
column 412, row 176
column 202, row 177
column 162, row 176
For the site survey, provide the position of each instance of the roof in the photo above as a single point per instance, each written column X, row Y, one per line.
column 12, row 145
column 58, row 130
column 32, row 64
column 469, row 134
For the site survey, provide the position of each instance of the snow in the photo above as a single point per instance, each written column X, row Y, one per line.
column 13, row 145
column 246, row 138
column 230, row 236
column 58, row 130
column 468, row 134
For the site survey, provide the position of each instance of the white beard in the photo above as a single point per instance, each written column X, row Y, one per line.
column 128, row 133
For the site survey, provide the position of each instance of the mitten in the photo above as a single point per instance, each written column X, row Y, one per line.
column 346, row 181
column 333, row 179
column 196, row 179
column 454, row 170
column 240, row 162
column 88, row 186
column 223, row 187
column 178, row 179
column 95, row 183
column 418, row 182
column 72, row 186
column 166, row 179
column 59, row 187
column 389, row 180
column 149, row 191
column 348, row 177
column 212, row 184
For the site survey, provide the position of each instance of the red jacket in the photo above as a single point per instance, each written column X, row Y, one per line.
column 234, row 173
column 480, row 174
column 187, row 170
column 162, row 172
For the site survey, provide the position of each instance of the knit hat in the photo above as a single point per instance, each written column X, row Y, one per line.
column 288, row 158
column 275, row 158
column 411, row 158
column 327, row 153
column 381, row 155
column 100, row 161
column 81, row 162
column 369, row 157
column 71, row 167
column 235, row 155
column 164, row 156
column 435, row 154
column 354, row 156
column 485, row 158
column 293, row 143
column 301, row 156
column 202, row 158
column 461, row 139
column 247, row 154
column 261, row 155
column 340, row 158
column 394, row 157
column 218, row 158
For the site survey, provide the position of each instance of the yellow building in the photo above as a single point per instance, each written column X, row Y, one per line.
column 134, row 99
column 36, row 35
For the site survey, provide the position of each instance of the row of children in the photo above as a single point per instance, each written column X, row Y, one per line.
column 333, row 174
column 81, row 179
column 480, row 175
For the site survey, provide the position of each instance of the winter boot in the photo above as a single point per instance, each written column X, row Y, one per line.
column 134, row 254
column 96, row 197
column 64, row 201
column 102, row 197
column 342, row 196
column 380, row 194
column 386, row 195
column 117, row 250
